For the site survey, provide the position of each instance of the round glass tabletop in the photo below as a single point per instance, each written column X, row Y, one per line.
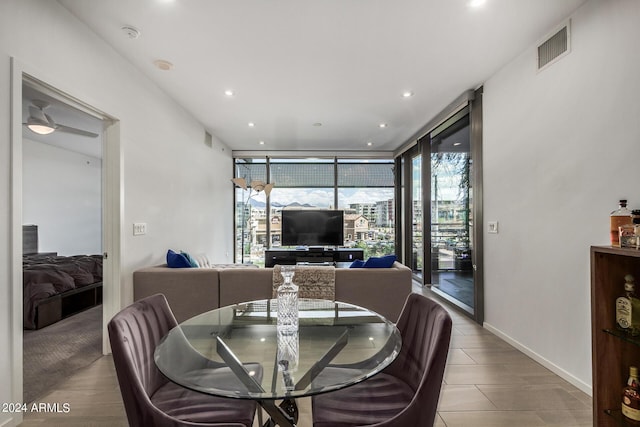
column 237, row 352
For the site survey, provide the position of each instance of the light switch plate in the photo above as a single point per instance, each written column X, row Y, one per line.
column 492, row 227
column 139, row 228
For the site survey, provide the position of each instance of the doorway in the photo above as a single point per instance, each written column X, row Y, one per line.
column 62, row 239
column 110, row 212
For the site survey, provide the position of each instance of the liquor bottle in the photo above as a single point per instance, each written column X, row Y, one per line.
column 631, row 396
column 635, row 218
column 628, row 308
column 630, row 233
column 619, row 217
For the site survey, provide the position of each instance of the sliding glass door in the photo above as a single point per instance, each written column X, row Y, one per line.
column 417, row 235
column 452, row 242
column 441, row 207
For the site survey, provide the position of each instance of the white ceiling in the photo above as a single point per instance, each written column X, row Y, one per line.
column 341, row 63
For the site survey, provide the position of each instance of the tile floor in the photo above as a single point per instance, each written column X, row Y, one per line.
column 487, row 383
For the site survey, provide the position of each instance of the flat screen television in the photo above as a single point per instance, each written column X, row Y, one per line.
column 312, row 227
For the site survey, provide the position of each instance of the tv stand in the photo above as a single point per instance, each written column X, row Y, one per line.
column 311, row 255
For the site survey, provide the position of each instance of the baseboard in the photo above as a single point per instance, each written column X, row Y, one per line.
column 541, row 360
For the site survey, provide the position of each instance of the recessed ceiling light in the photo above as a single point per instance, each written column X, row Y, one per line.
column 477, row 3
column 228, row 92
column 251, row 124
column 163, row 65
column 369, row 144
column 382, row 125
column 456, row 143
column 261, row 142
column 407, row 94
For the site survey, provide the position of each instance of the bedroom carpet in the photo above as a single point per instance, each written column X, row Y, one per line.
column 54, row 353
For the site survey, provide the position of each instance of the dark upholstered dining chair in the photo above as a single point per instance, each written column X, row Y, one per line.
column 150, row 399
column 405, row 393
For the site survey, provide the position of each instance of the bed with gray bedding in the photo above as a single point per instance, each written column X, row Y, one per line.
column 55, row 287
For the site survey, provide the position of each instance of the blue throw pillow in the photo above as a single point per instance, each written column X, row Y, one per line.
column 175, row 260
column 192, row 262
column 380, row 262
column 357, row 264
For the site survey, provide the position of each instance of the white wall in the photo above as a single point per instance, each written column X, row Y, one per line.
column 560, row 148
column 172, row 181
column 62, row 195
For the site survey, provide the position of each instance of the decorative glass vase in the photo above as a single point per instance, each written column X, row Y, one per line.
column 287, row 302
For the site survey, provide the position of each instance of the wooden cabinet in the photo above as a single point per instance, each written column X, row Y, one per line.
column 612, row 351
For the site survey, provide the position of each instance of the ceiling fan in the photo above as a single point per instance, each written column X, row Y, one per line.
column 42, row 124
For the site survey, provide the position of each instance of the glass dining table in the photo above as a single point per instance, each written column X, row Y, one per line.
column 238, row 352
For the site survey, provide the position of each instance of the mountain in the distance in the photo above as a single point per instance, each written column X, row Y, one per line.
column 258, row 204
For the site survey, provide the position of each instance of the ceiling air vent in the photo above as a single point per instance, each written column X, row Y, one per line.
column 554, row 47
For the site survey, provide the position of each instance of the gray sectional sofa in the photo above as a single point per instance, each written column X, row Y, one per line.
column 191, row 291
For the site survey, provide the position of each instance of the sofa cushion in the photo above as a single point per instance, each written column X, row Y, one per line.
column 244, row 284
column 202, row 260
column 175, row 260
column 383, row 290
column 189, row 291
column 192, row 262
column 380, row 262
column 357, row 264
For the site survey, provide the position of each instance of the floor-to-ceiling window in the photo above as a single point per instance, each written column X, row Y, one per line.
column 365, row 193
column 299, row 184
column 249, row 208
column 362, row 188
